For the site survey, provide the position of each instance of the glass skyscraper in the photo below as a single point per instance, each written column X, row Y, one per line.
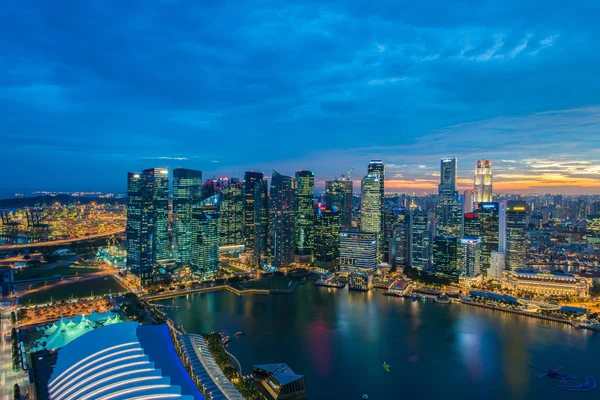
column 206, row 237
column 282, row 219
column 256, row 216
column 470, row 256
column 187, row 185
column 305, row 224
column 327, row 235
column 358, row 251
column 483, row 181
column 445, row 255
column 448, row 176
column 420, row 240
column 516, row 234
column 489, row 217
column 147, row 221
column 371, row 208
column 338, row 194
column 232, row 212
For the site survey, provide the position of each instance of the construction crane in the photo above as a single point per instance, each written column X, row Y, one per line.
column 346, row 176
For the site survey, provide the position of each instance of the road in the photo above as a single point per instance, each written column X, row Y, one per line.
column 59, row 242
column 8, row 377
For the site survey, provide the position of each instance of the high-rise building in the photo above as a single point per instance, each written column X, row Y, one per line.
column 256, row 216
column 445, row 255
column 206, row 237
column 420, row 240
column 592, row 231
column 483, row 181
column 497, row 265
column 399, row 239
column 232, row 212
column 489, row 217
column 468, row 201
column 327, row 235
column 472, row 225
column 282, row 219
column 338, row 194
column 358, row 251
column 449, row 215
column 470, row 256
column 516, row 234
column 371, row 208
column 147, row 221
column 305, row 224
column 448, row 176
column 187, row 184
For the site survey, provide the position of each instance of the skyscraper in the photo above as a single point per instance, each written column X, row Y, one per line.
column 489, row 217
column 449, row 215
column 147, row 221
column 445, row 255
column 327, row 235
column 448, row 176
column 338, row 194
column 305, row 227
column 371, row 208
column 470, row 256
column 256, row 215
column 483, row 181
column 516, row 234
column 187, row 184
column 420, row 239
column 204, row 258
column 232, row 212
column 358, row 251
column 472, row 225
column 282, row 219
column 468, row 201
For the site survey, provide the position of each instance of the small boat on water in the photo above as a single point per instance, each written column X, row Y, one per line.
column 414, row 299
column 240, row 333
column 387, row 367
column 365, row 396
column 443, row 299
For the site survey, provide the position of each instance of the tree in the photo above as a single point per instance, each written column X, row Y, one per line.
column 17, row 392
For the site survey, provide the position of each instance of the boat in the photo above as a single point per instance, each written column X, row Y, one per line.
column 240, row 333
column 414, row 299
column 567, row 382
column 387, row 367
column 365, row 396
column 443, row 299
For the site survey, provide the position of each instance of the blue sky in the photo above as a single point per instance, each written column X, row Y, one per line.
column 93, row 89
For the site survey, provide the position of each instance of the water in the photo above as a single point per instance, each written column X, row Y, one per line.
column 340, row 339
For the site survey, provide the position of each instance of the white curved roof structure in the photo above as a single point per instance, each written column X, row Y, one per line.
column 121, row 361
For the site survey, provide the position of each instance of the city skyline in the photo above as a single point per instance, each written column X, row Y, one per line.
column 392, row 82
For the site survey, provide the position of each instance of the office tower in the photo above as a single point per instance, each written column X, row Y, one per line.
column 420, row 240
column 327, row 236
column 472, row 225
column 445, row 255
column 305, row 231
column 358, row 251
column 489, row 216
column 448, row 176
column 232, row 212
column 399, row 244
column 592, row 229
column 582, row 209
column 470, row 256
column 516, row 234
column 449, row 215
column 256, row 215
column 468, row 201
column 338, row 194
column 205, row 237
column 282, row 219
column 147, row 221
column 187, row 185
column 483, row 181
column 497, row 265
column 371, row 210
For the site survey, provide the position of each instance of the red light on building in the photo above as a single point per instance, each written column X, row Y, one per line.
column 471, row 215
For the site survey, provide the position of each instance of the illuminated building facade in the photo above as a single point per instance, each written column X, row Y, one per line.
column 593, row 229
column 187, row 184
column 489, row 217
column 420, row 240
column 232, row 212
column 497, row 265
column 256, row 215
column 206, row 237
column 327, row 236
column 282, row 219
column 358, row 251
column 338, row 194
column 360, row 281
column 147, row 221
column 305, row 224
column 445, row 255
column 516, row 234
column 448, row 176
column 468, row 201
column 472, row 225
column 483, row 181
column 449, row 214
column 545, row 283
column 469, row 256
column 371, row 209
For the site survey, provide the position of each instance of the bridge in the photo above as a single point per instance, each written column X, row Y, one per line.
column 61, row 242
